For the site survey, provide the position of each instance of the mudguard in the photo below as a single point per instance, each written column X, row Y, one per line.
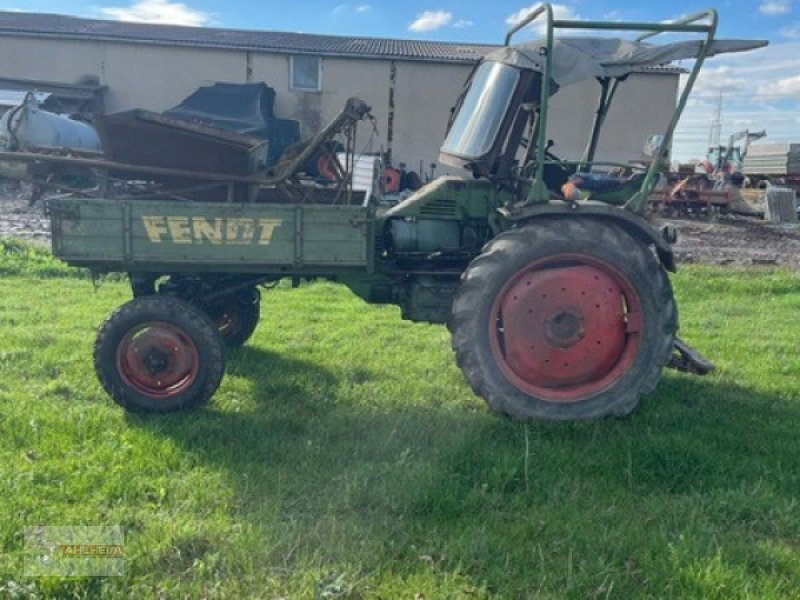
column 637, row 226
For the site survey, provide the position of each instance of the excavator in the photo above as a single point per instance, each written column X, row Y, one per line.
column 728, row 159
column 714, row 184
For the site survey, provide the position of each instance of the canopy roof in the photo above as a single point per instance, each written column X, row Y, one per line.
column 579, row 58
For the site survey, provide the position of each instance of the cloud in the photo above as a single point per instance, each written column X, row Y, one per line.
column 760, row 90
column 341, row 9
column 431, row 20
column 158, row 11
column 714, row 80
column 560, row 11
column 773, row 8
column 790, row 31
column 785, row 88
column 463, row 23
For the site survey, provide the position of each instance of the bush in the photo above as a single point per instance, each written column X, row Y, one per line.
column 19, row 257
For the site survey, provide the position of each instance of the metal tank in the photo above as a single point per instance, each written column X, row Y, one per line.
column 29, row 127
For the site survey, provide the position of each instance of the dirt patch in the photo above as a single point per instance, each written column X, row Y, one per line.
column 721, row 241
column 736, row 241
column 19, row 218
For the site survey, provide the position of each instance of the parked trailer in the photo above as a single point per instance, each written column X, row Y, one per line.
column 777, row 163
column 558, row 309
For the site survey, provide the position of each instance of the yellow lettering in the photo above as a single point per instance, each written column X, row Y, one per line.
column 205, row 230
column 156, row 227
column 188, row 230
column 267, row 230
column 179, row 230
column 240, row 231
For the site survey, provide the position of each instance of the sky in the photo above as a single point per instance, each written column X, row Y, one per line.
column 759, row 89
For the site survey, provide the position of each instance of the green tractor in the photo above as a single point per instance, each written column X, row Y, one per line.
column 559, row 305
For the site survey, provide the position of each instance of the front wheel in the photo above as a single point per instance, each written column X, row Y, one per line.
column 159, row 354
column 564, row 319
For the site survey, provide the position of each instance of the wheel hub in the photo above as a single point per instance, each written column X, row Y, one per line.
column 156, row 362
column 158, row 359
column 566, row 331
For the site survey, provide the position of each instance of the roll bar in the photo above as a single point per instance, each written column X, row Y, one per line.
column 689, row 24
column 532, row 16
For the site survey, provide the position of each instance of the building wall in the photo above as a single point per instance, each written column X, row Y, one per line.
column 642, row 107
column 159, row 77
column 424, row 95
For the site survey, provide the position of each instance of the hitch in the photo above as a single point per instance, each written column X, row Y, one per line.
column 689, row 360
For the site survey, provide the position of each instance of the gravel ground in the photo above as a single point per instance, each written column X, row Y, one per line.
column 718, row 241
column 18, row 218
column 737, row 241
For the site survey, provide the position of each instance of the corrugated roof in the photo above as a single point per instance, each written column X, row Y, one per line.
column 66, row 27
column 60, row 26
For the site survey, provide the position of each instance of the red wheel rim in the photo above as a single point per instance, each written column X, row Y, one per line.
column 566, row 328
column 158, row 360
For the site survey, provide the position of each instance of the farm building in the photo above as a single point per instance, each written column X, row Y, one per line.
column 411, row 85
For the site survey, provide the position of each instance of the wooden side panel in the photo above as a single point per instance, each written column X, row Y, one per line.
column 218, row 236
column 91, row 230
column 337, row 237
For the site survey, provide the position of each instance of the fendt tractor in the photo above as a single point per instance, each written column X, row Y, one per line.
column 547, row 272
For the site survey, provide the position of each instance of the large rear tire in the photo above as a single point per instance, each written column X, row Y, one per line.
column 564, row 319
column 159, row 354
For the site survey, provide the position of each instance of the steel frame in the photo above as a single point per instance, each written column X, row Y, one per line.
column 689, row 24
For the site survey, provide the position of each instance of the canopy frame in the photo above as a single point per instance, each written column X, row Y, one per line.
column 704, row 22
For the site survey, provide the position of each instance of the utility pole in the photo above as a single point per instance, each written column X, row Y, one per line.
column 715, row 133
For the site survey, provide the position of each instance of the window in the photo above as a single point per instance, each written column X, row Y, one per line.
column 482, row 111
column 305, row 73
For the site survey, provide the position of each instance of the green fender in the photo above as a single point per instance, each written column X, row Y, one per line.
column 639, row 227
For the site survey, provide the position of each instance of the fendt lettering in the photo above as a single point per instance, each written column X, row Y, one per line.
column 199, row 230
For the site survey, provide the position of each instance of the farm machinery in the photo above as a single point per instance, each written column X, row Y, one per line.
column 559, row 308
column 711, row 186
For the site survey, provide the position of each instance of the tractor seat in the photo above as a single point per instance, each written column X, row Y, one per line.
column 605, row 187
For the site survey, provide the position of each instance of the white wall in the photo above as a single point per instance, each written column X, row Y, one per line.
column 643, row 106
column 424, row 94
column 158, row 77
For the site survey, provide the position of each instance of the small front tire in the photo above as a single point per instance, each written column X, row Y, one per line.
column 159, row 354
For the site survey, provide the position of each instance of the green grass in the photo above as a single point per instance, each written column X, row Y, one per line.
column 344, row 457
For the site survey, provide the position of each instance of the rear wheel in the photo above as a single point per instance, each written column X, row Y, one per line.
column 159, row 354
column 236, row 316
column 564, row 319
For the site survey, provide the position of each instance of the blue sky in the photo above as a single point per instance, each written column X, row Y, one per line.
column 760, row 90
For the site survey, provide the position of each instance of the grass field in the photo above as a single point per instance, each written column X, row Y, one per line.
column 343, row 457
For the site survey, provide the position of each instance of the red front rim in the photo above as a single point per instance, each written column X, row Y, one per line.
column 158, row 360
column 566, row 328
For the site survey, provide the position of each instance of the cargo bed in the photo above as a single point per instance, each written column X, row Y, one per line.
column 143, row 235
